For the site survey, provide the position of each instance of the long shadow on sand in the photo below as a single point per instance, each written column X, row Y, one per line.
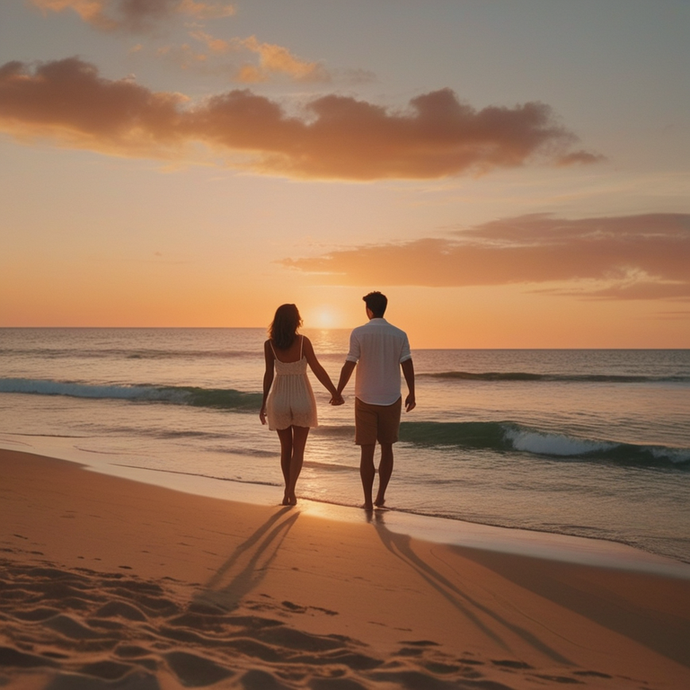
column 400, row 546
column 618, row 600
column 249, row 562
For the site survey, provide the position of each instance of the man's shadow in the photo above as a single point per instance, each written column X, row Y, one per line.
column 249, row 562
column 400, row 546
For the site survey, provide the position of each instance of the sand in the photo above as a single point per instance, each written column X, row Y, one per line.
column 110, row 583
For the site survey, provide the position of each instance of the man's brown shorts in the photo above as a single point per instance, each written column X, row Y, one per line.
column 376, row 422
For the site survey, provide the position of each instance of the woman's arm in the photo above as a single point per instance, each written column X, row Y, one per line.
column 320, row 372
column 268, row 378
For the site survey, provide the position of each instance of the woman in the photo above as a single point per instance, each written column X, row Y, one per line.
column 288, row 400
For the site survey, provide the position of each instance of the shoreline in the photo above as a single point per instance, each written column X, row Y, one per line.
column 433, row 528
column 110, row 582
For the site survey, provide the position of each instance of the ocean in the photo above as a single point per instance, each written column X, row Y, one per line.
column 589, row 443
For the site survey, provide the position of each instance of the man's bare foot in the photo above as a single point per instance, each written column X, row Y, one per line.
column 369, row 507
column 285, row 501
column 380, row 502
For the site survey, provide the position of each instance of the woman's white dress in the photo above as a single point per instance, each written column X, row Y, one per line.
column 291, row 399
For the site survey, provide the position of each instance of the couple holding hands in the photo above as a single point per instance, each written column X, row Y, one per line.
column 379, row 351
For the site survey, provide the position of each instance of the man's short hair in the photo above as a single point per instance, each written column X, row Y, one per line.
column 377, row 303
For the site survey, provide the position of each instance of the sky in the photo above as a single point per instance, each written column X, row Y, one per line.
column 510, row 173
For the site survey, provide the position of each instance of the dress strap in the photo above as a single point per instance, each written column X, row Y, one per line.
column 270, row 342
column 301, row 346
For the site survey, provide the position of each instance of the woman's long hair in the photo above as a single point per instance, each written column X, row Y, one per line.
column 283, row 329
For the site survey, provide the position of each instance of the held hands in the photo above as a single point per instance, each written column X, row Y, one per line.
column 337, row 399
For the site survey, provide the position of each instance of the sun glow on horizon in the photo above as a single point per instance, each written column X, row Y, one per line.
column 323, row 317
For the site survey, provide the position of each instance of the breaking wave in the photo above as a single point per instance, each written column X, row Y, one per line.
column 509, row 436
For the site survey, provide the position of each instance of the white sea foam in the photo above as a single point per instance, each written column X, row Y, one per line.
column 554, row 444
column 678, row 456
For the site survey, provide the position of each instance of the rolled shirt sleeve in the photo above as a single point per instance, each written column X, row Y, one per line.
column 355, row 349
column 405, row 353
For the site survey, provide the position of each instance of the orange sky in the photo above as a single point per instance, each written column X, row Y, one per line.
column 510, row 174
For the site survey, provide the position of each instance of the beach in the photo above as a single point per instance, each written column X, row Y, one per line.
column 112, row 583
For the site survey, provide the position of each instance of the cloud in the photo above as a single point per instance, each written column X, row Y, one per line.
column 214, row 45
column 337, row 137
column 580, row 157
column 273, row 60
column 186, row 57
column 68, row 101
column 144, row 15
column 628, row 257
column 136, row 15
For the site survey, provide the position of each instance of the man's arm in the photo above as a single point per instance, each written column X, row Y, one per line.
column 408, row 373
column 345, row 374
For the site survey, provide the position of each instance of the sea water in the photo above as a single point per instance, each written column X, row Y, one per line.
column 590, row 443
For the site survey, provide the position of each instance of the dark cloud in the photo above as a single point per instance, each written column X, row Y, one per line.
column 337, row 137
column 628, row 257
column 68, row 101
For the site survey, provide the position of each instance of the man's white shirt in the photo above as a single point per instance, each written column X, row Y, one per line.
column 379, row 349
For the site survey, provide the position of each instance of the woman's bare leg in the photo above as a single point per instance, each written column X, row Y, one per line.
column 299, row 442
column 285, row 436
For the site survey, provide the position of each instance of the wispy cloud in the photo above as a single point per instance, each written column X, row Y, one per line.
column 337, row 137
column 272, row 61
column 244, row 60
column 136, row 15
column 628, row 257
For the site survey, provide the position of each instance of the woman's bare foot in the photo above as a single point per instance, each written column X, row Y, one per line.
column 380, row 502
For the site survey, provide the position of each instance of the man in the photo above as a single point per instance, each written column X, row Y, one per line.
column 378, row 350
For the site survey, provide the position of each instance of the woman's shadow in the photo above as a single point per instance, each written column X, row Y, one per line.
column 249, row 562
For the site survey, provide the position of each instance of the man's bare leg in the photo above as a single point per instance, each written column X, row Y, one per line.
column 385, row 472
column 299, row 441
column 285, row 436
column 367, row 472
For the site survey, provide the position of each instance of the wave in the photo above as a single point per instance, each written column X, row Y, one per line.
column 501, row 436
column 217, row 398
column 510, row 436
column 572, row 378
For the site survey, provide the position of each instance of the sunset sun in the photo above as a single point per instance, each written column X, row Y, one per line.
column 324, row 317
